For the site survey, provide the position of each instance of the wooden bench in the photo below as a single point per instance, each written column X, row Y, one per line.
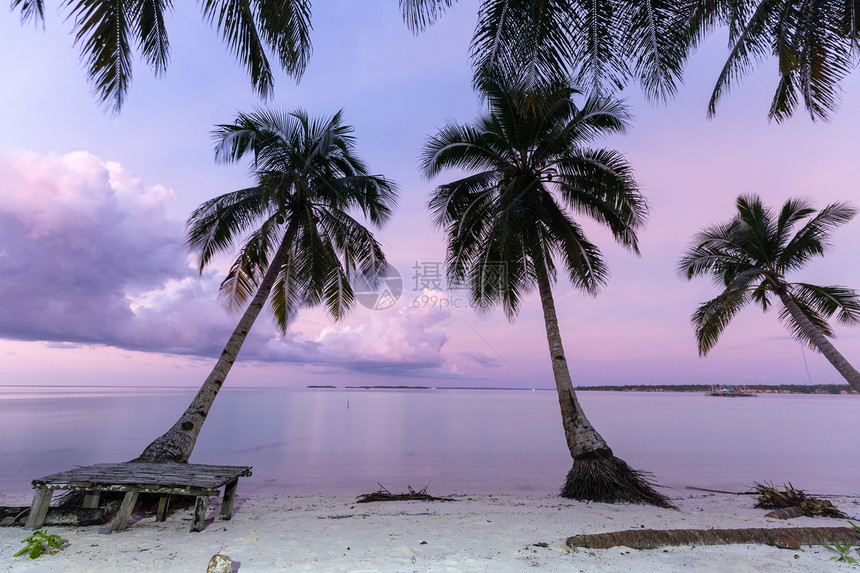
column 135, row 478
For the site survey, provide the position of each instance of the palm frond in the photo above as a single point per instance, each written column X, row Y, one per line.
column 828, row 301
column 31, row 10
column 152, row 33
column 102, row 31
column 235, row 20
column 711, row 318
column 421, row 14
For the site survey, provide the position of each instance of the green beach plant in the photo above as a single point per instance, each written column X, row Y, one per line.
column 509, row 223
column 40, row 543
column 750, row 256
column 842, row 553
column 301, row 242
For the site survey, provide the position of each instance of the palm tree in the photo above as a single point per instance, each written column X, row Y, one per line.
column 106, row 29
column 750, row 256
column 601, row 44
column 530, row 172
column 815, row 44
column 301, row 244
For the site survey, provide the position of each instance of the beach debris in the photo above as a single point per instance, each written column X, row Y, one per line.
column 786, row 512
column 220, row 564
column 10, row 516
column 771, row 498
column 658, row 538
column 382, row 494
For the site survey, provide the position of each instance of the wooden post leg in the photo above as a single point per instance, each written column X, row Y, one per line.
column 91, row 499
column 120, row 522
column 39, row 509
column 199, row 513
column 227, row 502
column 161, row 514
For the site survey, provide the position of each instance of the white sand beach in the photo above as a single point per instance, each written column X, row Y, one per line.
column 497, row 533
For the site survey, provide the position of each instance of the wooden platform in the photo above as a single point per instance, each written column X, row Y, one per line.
column 135, row 478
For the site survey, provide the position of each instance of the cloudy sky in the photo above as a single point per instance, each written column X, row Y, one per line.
column 96, row 286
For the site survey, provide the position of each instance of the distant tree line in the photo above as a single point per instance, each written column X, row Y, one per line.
column 764, row 388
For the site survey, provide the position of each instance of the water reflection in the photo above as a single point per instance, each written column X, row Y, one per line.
column 345, row 441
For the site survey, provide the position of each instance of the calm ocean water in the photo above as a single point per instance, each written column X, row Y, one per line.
column 344, row 442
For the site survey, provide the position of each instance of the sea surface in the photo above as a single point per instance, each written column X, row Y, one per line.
column 348, row 442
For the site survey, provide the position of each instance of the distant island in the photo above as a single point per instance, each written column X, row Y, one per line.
column 838, row 389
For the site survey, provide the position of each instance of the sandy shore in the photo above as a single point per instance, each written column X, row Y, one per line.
column 497, row 533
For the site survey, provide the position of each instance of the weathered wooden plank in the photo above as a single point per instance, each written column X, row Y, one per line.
column 227, row 502
column 161, row 514
column 139, row 474
column 200, row 505
column 41, row 502
column 91, row 499
column 120, row 522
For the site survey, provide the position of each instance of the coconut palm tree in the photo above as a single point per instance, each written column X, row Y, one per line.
column 814, row 42
column 601, row 44
column 301, row 244
column 106, row 29
column 510, row 222
column 750, row 257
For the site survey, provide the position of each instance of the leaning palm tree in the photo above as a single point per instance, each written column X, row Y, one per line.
column 106, row 29
column 750, row 256
column 510, row 222
column 301, row 243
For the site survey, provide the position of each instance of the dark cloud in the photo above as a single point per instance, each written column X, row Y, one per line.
column 89, row 255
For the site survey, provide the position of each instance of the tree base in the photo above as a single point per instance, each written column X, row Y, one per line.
column 608, row 479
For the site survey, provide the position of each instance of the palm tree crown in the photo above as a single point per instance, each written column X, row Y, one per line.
column 814, row 42
column 750, row 257
column 308, row 180
column 106, row 29
column 532, row 173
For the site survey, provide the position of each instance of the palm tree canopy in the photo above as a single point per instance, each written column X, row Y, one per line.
column 530, row 172
column 309, row 181
column 750, row 256
column 105, row 30
column 814, row 42
column 601, row 44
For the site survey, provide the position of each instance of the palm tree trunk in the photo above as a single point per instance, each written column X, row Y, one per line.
column 819, row 340
column 177, row 443
column 596, row 475
column 582, row 438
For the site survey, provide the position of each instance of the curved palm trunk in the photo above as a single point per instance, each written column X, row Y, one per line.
column 820, row 341
column 177, row 443
column 596, row 475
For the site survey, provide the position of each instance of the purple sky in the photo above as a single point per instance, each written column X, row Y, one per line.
column 97, row 287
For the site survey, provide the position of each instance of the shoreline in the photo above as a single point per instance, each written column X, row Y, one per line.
column 486, row 532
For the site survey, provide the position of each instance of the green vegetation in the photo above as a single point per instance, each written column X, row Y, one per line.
column 750, row 257
column 763, row 388
column 842, row 551
column 40, row 543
